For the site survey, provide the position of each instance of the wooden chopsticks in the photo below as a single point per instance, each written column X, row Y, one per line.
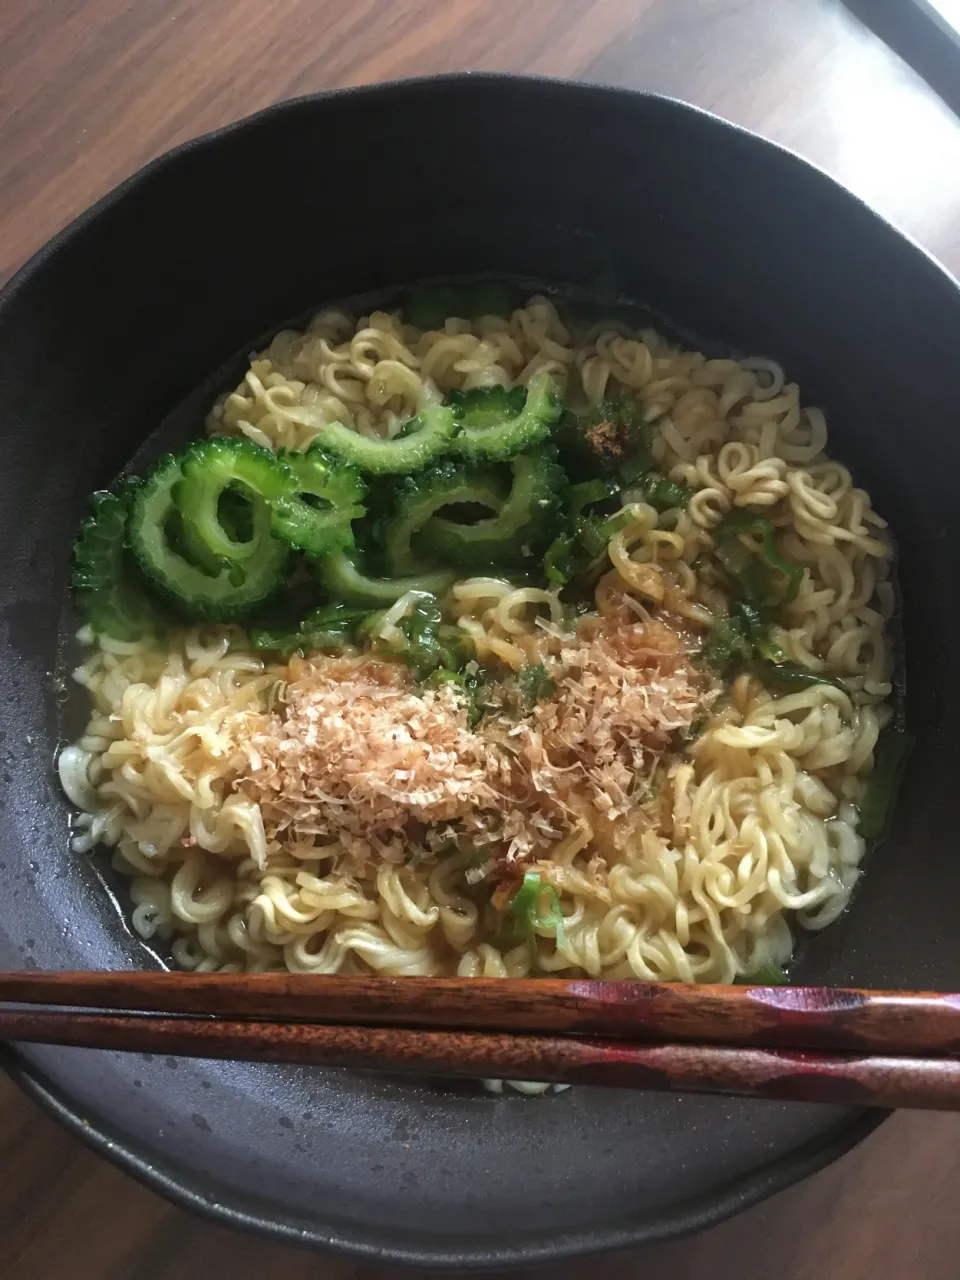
column 841, row 1020
column 893, row 1049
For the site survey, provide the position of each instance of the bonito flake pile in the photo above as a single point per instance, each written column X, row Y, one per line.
column 359, row 755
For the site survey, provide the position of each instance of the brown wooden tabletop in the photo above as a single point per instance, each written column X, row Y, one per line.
column 90, row 90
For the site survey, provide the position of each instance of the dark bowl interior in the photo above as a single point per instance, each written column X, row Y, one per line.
column 115, row 324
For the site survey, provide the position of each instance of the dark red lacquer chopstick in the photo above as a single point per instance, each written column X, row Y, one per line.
column 816, row 1044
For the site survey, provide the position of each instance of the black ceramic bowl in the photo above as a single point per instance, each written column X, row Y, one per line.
column 115, row 324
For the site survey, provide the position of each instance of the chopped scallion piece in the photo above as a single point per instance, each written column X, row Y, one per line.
column 527, row 906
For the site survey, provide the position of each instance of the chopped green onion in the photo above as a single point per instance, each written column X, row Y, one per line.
column 767, row 579
column 526, row 906
column 560, row 561
column 589, row 493
column 660, row 493
column 579, row 548
column 757, row 626
column 743, row 638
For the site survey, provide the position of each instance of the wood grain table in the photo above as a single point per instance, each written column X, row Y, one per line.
column 91, row 89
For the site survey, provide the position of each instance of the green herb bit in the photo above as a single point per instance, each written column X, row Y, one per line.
column 576, row 552
column 757, row 624
column 427, row 643
column 790, row 677
column 578, row 549
column 765, row 577
column 331, row 626
column 744, row 637
column 534, row 683
column 420, row 628
column 727, row 647
column 742, row 640
column 890, row 758
column 560, row 562
column 659, row 492
column 467, row 683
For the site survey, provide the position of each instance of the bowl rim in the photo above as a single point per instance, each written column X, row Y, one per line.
column 187, row 1190
column 413, row 84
